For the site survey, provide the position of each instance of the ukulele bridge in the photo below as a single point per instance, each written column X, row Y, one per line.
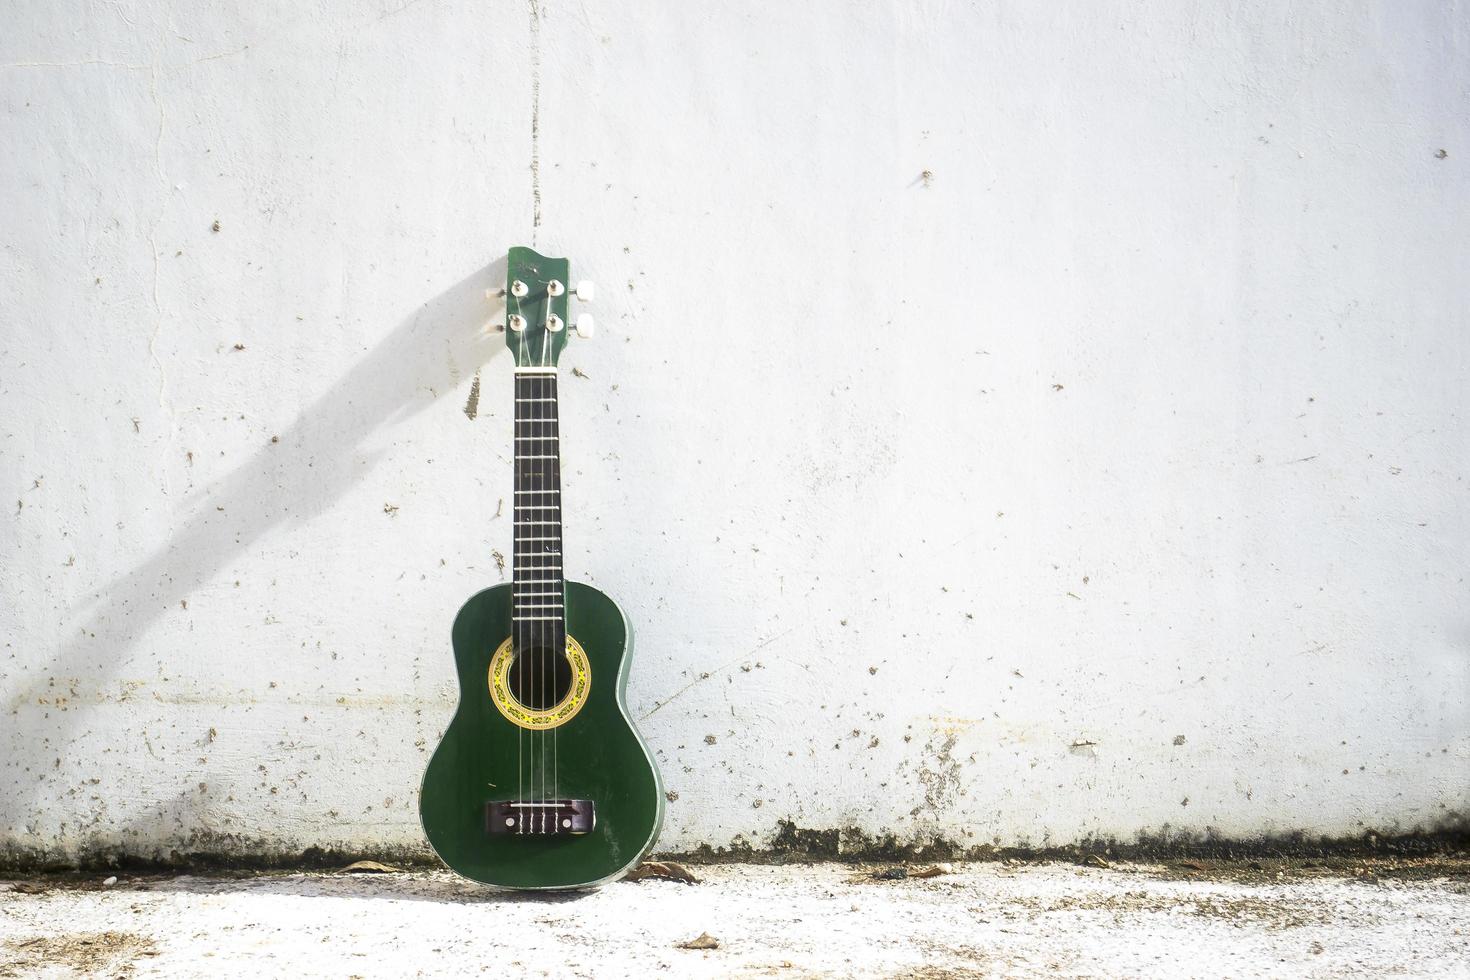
column 543, row 818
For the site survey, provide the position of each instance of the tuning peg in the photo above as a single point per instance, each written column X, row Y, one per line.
column 586, row 326
column 584, row 291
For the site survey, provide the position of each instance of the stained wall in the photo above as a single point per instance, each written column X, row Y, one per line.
column 1008, row 423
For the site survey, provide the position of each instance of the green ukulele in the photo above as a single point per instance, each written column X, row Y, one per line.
column 541, row 780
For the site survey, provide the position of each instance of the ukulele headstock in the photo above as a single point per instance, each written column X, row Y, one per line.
column 537, row 295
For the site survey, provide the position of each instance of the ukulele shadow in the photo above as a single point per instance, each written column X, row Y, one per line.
column 439, row 887
column 290, row 480
column 187, row 822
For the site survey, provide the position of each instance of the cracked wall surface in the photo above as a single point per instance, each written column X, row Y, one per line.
column 1007, row 425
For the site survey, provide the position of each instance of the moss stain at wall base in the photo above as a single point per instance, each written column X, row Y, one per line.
column 792, row 843
column 788, row 844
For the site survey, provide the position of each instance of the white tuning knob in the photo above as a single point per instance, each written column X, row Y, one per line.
column 584, row 291
column 586, row 326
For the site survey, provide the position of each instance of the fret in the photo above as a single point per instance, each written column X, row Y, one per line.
column 535, row 457
column 554, row 537
column 524, row 523
column 539, row 491
column 547, row 619
column 527, row 401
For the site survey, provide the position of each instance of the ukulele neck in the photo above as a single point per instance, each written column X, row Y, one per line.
column 538, row 594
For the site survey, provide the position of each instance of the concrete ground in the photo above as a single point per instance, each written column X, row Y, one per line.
column 826, row 920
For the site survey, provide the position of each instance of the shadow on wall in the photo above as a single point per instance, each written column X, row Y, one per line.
column 283, row 485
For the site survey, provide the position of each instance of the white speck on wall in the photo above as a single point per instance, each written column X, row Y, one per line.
column 1001, row 426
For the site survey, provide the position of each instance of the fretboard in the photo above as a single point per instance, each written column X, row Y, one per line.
column 538, row 588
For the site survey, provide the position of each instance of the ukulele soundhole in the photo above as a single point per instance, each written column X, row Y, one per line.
column 536, row 690
column 540, row 678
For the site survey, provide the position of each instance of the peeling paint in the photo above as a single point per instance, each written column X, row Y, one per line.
column 535, row 82
column 472, row 404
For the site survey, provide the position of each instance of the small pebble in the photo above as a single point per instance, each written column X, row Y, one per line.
column 109, row 881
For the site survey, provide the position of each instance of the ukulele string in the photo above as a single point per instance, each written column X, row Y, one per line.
column 548, row 697
column 541, row 623
column 537, row 735
column 518, row 645
column 553, row 481
column 559, row 614
column 543, row 383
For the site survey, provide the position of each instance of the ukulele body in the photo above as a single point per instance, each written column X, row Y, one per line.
column 595, row 755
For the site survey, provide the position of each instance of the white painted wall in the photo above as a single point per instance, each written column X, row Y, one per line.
column 1109, row 478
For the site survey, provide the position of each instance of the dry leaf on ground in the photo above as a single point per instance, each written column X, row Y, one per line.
column 933, row 871
column 703, row 941
column 662, row 869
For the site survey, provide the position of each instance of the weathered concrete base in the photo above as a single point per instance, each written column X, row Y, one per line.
column 1405, row 918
